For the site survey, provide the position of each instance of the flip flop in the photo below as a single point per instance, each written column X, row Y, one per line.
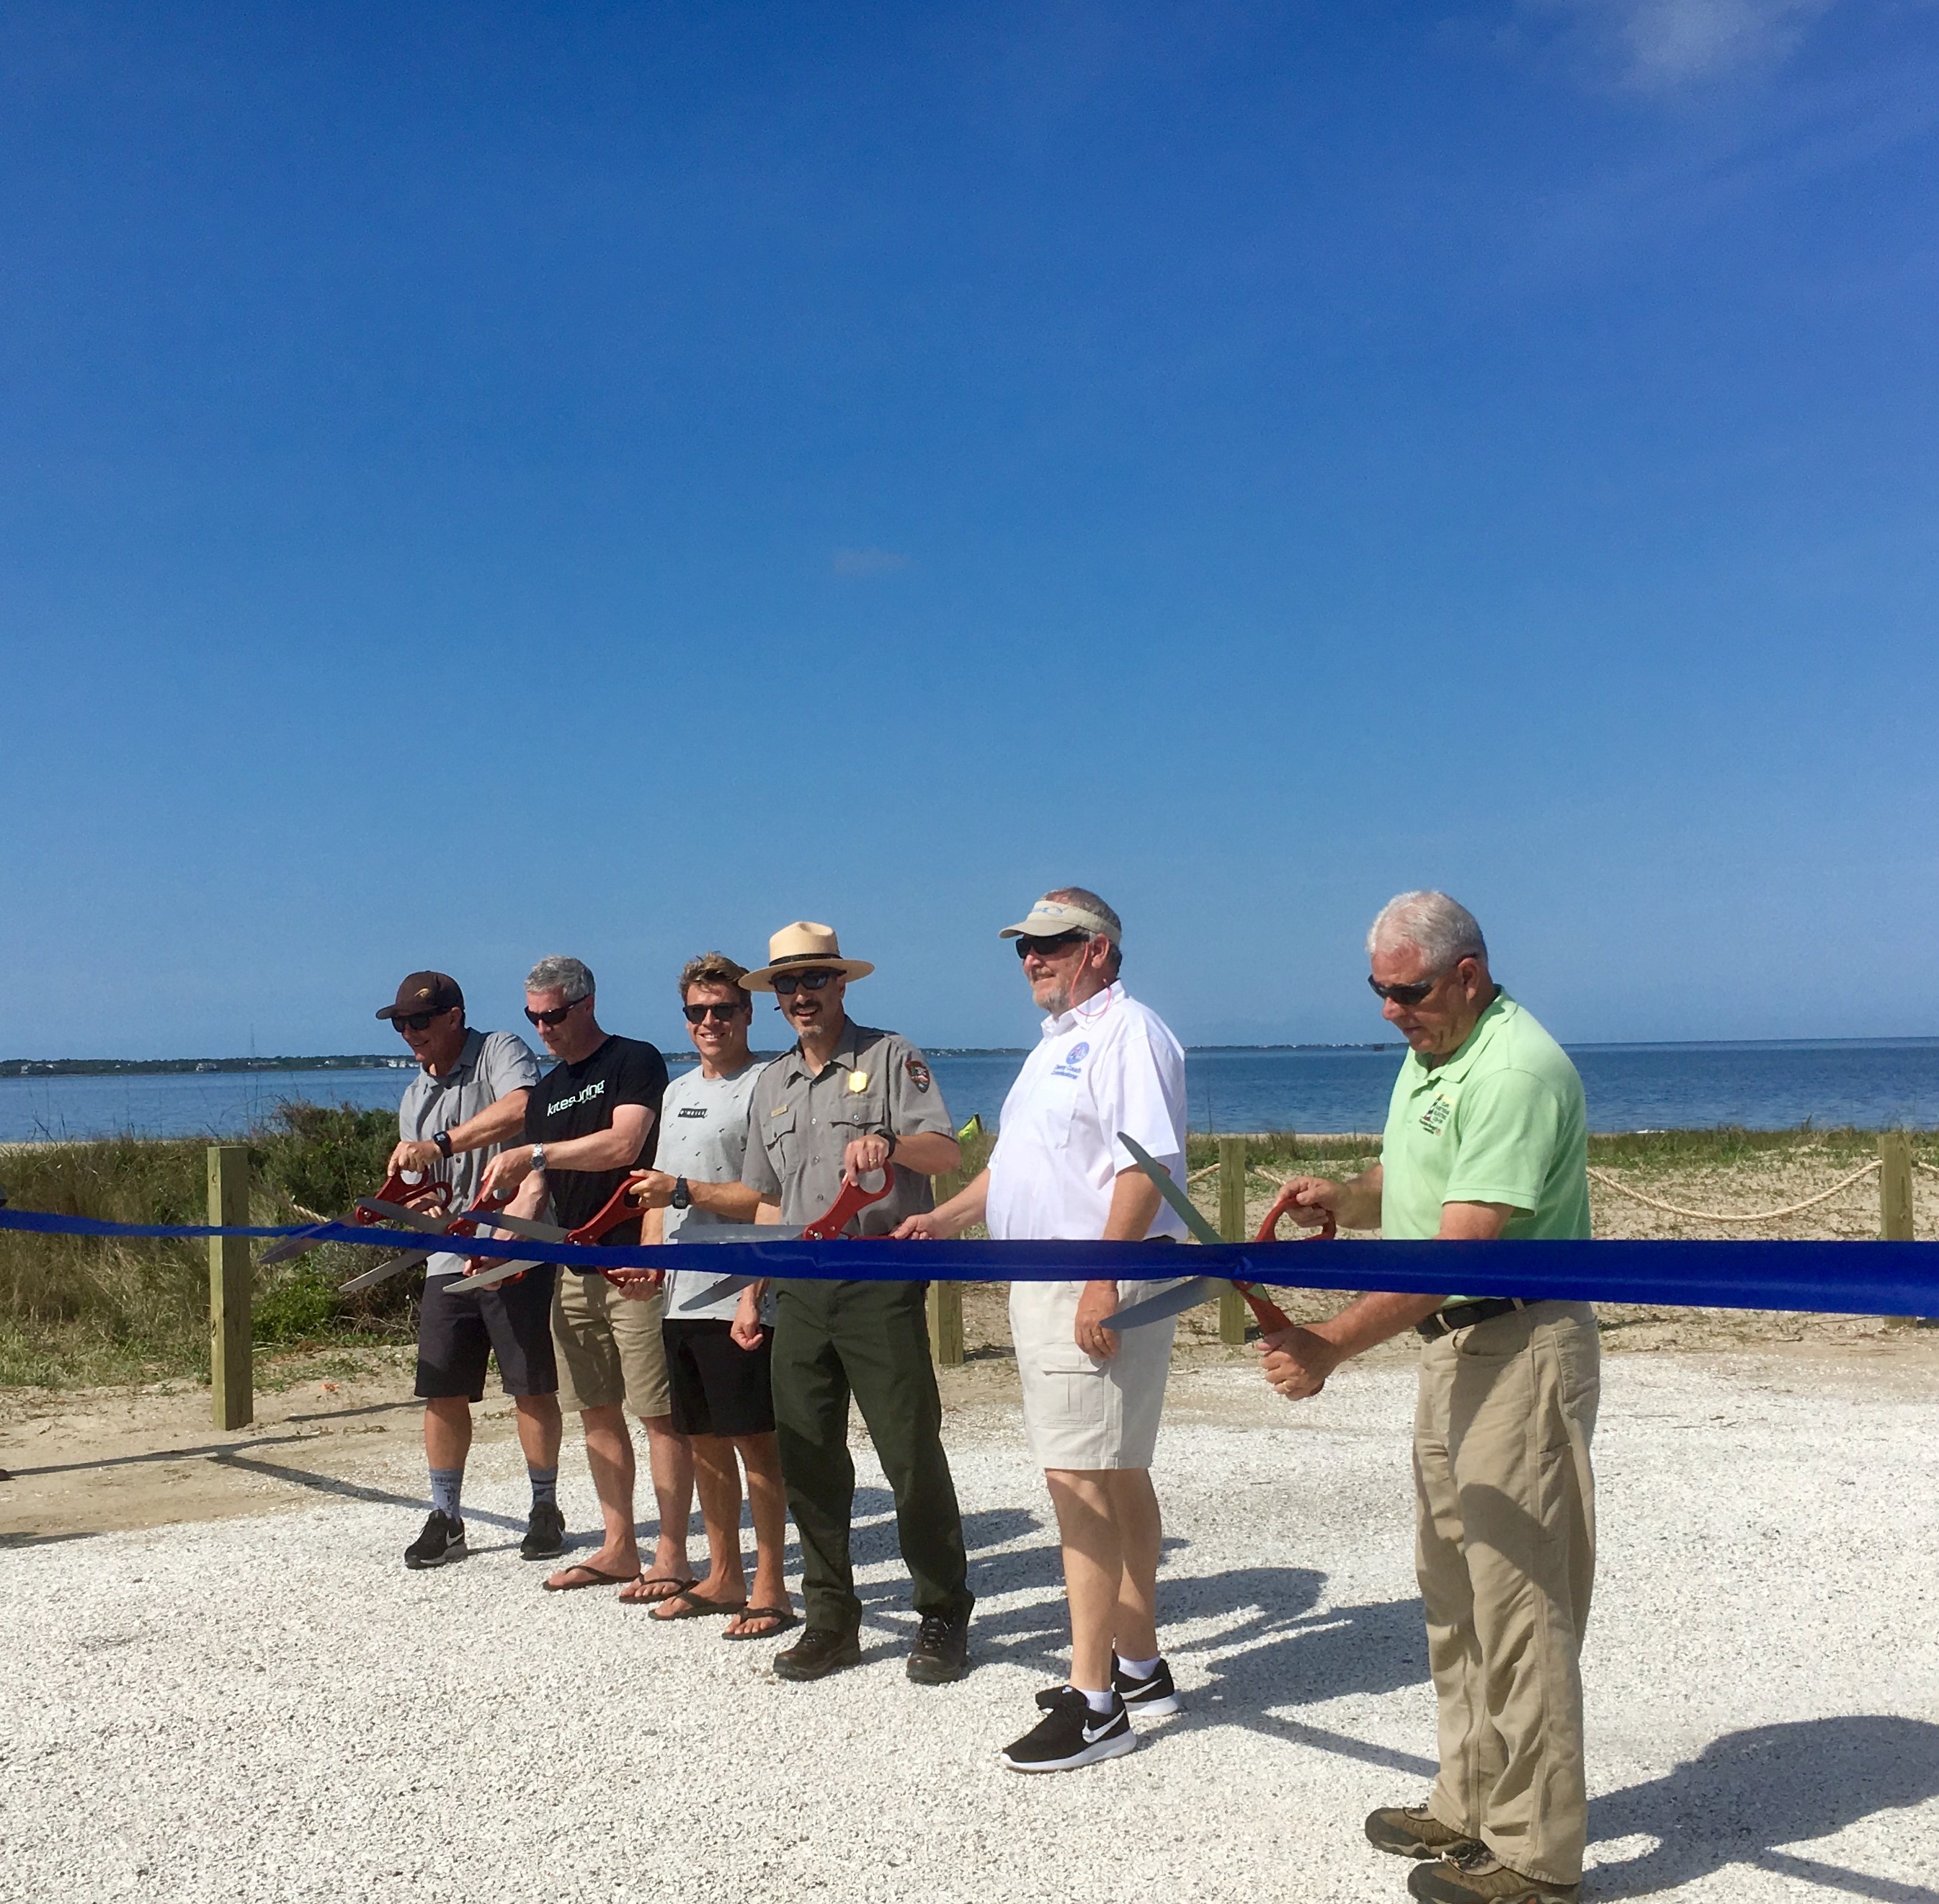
column 691, row 1606
column 563, row 1583
column 782, row 1617
column 678, row 1585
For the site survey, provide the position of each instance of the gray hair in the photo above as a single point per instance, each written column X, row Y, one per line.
column 559, row 973
column 1114, row 927
column 1442, row 930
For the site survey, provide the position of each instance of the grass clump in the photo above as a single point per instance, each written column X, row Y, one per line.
column 79, row 1310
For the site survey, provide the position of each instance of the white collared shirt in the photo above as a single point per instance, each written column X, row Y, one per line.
column 1107, row 1065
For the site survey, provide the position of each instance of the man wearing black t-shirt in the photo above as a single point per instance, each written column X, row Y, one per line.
column 590, row 1121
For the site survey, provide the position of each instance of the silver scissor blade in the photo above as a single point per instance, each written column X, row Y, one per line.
column 714, row 1291
column 1174, row 1301
column 300, row 1244
column 492, row 1275
column 392, row 1266
column 1172, row 1191
column 523, row 1227
column 399, row 1213
column 738, row 1232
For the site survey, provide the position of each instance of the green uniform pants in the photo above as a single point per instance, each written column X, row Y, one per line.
column 871, row 1340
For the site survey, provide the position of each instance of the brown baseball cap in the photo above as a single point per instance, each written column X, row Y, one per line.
column 425, row 992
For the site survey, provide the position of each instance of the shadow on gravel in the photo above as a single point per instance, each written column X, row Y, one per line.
column 1748, row 1792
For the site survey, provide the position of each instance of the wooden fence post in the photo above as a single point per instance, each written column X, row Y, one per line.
column 231, row 1276
column 1895, row 1186
column 1232, row 1227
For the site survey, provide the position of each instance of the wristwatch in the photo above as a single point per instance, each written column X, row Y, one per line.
column 538, row 1157
column 679, row 1200
column 889, row 1138
column 443, row 1140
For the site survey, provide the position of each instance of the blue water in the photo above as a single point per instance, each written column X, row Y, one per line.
column 1871, row 1083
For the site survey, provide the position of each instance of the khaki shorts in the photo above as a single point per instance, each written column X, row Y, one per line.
column 609, row 1346
column 1083, row 1413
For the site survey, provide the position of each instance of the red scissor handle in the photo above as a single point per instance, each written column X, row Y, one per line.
column 395, row 1190
column 615, row 1212
column 1271, row 1317
column 852, row 1201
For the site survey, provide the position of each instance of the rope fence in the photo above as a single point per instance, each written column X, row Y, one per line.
column 1843, row 1184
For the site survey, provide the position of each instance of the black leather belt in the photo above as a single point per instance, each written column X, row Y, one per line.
column 1459, row 1315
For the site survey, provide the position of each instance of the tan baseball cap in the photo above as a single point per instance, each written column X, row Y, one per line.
column 804, row 944
column 1049, row 917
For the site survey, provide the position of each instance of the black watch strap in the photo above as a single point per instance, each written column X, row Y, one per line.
column 889, row 1138
column 682, row 1197
column 443, row 1140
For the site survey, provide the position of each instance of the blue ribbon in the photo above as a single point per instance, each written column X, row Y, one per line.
column 1833, row 1278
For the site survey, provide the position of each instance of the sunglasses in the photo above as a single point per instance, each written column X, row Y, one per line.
column 417, row 1021
column 697, row 1014
column 1043, row 947
column 804, row 982
column 1406, row 994
column 549, row 1019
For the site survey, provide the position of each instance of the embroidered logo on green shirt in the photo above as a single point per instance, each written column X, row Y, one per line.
column 1433, row 1118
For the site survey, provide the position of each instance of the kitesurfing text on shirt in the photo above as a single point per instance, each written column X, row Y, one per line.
column 595, row 1089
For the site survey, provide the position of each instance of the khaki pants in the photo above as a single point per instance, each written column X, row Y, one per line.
column 1505, row 1551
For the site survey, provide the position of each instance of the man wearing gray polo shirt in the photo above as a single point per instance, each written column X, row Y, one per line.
column 467, row 1099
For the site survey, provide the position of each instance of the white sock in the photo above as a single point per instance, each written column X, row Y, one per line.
column 1100, row 1703
column 1143, row 1668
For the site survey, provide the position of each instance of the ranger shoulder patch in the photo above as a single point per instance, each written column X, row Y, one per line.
column 919, row 1072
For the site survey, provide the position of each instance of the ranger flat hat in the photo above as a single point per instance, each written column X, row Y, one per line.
column 1048, row 918
column 806, row 944
column 424, row 992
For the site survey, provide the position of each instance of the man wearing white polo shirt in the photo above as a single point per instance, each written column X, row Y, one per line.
column 1091, row 1398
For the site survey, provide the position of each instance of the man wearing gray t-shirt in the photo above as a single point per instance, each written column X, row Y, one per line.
column 718, row 1353
column 467, row 1099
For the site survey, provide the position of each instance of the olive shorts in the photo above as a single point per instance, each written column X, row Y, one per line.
column 609, row 1351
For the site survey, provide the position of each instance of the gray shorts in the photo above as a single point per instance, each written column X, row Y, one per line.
column 1080, row 1413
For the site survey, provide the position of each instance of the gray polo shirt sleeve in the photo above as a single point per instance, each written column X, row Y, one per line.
column 506, row 1064
column 757, row 1168
column 914, row 1098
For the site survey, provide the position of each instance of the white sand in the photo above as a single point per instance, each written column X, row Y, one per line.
column 274, row 1708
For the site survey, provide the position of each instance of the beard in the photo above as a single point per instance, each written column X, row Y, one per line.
column 1057, row 1002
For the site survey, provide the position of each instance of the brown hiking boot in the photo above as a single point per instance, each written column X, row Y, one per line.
column 1476, row 1876
column 1413, row 1833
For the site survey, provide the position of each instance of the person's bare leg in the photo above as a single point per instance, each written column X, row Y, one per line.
column 670, row 1461
column 767, row 1503
column 1140, row 1541
column 609, row 1454
column 717, row 1481
column 540, row 1427
column 1094, row 1569
column 447, row 1431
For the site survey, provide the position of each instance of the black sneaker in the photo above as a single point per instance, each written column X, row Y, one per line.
column 443, row 1539
column 1070, row 1734
column 820, row 1651
column 545, row 1533
column 942, row 1651
column 1156, row 1696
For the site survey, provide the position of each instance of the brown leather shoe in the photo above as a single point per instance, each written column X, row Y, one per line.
column 1476, row 1876
column 1414, row 1832
column 820, row 1651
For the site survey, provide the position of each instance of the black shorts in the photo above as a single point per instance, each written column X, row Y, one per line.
column 459, row 1329
column 719, row 1387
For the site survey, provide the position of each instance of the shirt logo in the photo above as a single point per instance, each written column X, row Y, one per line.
column 1433, row 1118
column 592, row 1091
column 693, row 1110
column 919, row 1072
column 1075, row 1056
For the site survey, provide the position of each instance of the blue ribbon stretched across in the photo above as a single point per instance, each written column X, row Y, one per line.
column 1833, row 1278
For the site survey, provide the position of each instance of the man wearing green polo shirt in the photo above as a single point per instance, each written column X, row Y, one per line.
column 1486, row 1139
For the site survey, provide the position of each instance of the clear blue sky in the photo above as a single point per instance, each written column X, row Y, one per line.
column 482, row 481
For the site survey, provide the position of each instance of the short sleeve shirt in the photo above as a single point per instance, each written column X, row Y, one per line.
column 578, row 1101
column 703, row 1138
column 1501, row 1121
column 491, row 1064
column 1110, row 1065
column 799, row 1124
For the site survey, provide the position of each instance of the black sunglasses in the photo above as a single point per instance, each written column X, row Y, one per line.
column 1407, row 995
column 695, row 1014
column 549, row 1019
column 1043, row 947
column 417, row 1021
column 803, row 981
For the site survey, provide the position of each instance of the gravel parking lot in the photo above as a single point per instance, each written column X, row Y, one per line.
column 273, row 1708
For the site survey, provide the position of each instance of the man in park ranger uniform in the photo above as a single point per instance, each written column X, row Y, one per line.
column 1092, row 1398
column 1486, row 1137
column 468, row 1099
column 844, row 1103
